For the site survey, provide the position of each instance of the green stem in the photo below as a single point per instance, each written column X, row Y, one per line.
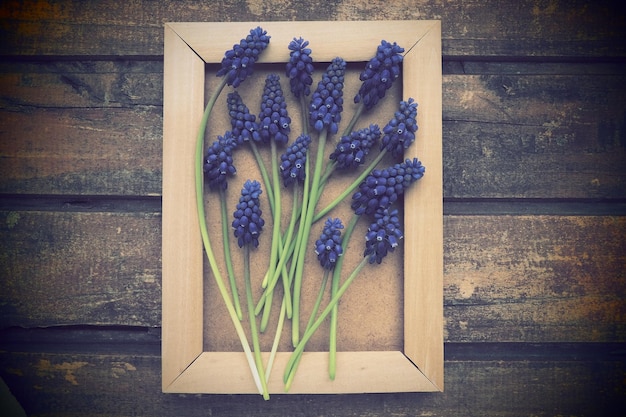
column 304, row 113
column 308, row 221
column 199, row 185
column 305, row 201
column 351, row 187
column 253, row 329
column 285, row 255
column 276, row 237
column 291, row 366
column 279, row 331
column 227, row 254
column 330, row 168
column 318, row 300
column 264, row 174
column 332, row 342
column 316, row 307
column 355, row 117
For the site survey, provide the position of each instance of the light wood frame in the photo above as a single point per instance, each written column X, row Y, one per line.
column 186, row 368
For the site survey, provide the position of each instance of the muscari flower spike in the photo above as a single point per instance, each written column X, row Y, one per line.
column 293, row 160
column 248, row 222
column 218, row 162
column 238, row 63
column 400, row 131
column 243, row 123
column 274, row 120
column 382, row 235
column 383, row 186
column 379, row 74
column 328, row 247
column 299, row 69
column 327, row 101
column 351, row 150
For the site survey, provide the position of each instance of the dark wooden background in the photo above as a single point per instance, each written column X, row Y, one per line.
column 534, row 123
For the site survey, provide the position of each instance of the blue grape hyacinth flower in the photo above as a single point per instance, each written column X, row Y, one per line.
column 383, row 186
column 379, row 74
column 248, row 222
column 218, row 162
column 399, row 133
column 238, row 63
column 293, row 160
column 299, row 69
column 328, row 247
column 327, row 100
column 274, row 121
column 243, row 123
column 382, row 235
column 351, row 150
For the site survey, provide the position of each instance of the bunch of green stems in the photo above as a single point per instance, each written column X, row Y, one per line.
column 287, row 253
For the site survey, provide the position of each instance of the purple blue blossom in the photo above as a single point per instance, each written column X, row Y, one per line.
column 238, row 63
column 399, row 133
column 379, row 74
column 243, row 123
column 299, row 69
column 328, row 247
column 351, row 150
column 293, row 160
column 218, row 162
column 248, row 222
column 383, row 186
column 383, row 235
column 274, row 121
column 327, row 100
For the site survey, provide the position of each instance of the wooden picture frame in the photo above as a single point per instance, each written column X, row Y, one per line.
column 186, row 367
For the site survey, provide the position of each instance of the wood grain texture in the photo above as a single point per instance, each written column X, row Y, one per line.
column 80, row 268
column 527, row 280
column 87, row 384
column 536, row 269
column 527, row 28
column 533, row 109
column 534, row 136
column 522, row 133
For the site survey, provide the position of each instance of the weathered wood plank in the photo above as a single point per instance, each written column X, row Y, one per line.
column 507, row 278
column 86, row 384
column 548, row 278
column 73, row 268
column 78, row 84
column 531, row 135
column 526, row 28
column 81, row 128
column 551, row 160
column 93, row 151
column 534, row 136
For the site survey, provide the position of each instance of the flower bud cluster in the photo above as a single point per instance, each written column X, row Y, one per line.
column 327, row 101
column 382, row 235
column 293, row 160
column 238, row 62
column 328, row 247
column 383, row 186
column 218, row 162
column 351, row 150
column 300, row 67
column 379, row 74
column 399, row 133
column 274, row 120
column 243, row 123
column 248, row 222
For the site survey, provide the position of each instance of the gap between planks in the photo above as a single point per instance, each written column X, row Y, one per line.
column 132, row 340
column 451, row 206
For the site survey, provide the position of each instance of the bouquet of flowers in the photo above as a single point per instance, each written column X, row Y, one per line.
column 304, row 172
